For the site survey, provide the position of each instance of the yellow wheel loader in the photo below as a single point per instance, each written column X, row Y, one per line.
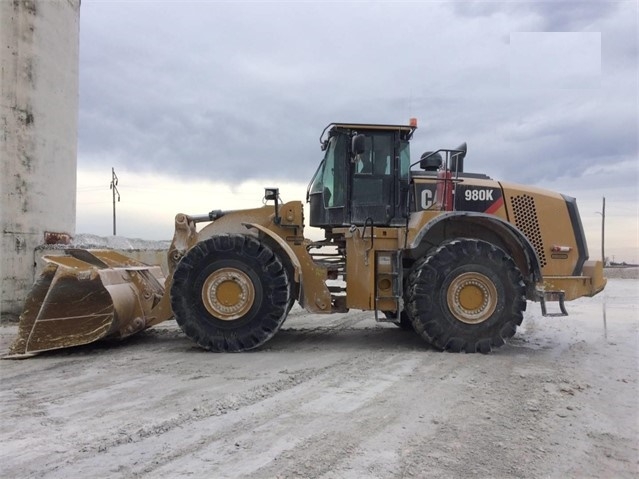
column 425, row 244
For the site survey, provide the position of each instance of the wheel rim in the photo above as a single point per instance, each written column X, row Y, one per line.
column 472, row 297
column 228, row 294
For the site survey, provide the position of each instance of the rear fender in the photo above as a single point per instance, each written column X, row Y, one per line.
column 481, row 226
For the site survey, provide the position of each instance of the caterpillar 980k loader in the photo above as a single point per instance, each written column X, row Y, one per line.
column 451, row 254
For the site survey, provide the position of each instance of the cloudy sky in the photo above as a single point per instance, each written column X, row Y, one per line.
column 199, row 105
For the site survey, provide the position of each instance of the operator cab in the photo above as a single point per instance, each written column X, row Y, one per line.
column 363, row 178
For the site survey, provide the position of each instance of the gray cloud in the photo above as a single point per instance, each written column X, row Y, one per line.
column 564, row 16
column 547, row 15
column 231, row 91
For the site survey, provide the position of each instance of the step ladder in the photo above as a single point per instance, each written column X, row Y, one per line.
column 388, row 283
column 553, row 296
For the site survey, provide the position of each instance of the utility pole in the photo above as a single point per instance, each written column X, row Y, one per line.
column 603, row 229
column 114, row 188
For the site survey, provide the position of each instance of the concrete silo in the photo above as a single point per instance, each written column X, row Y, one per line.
column 39, row 51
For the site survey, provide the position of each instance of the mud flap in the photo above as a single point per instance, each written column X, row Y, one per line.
column 84, row 296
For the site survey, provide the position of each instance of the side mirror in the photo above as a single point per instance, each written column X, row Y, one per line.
column 358, row 144
column 457, row 160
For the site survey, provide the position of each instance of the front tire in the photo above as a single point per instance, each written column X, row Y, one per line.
column 230, row 293
column 467, row 296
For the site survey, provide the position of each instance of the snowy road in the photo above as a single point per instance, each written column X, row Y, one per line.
column 335, row 397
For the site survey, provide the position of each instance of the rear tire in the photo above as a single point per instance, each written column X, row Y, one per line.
column 230, row 293
column 466, row 296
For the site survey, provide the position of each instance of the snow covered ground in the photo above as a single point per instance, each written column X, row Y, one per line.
column 336, row 396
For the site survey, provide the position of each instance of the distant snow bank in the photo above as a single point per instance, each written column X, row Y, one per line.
column 630, row 272
column 144, row 251
column 89, row 241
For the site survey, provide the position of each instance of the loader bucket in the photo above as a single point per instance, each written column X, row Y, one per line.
column 88, row 295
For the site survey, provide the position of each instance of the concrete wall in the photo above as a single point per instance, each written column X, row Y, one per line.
column 39, row 52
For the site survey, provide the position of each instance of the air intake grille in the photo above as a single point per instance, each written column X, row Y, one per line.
column 526, row 220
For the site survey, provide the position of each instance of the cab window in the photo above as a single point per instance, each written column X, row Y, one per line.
column 330, row 178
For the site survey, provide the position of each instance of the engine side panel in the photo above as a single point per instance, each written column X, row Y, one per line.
column 552, row 226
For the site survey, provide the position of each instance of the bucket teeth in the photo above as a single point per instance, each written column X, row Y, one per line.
column 84, row 296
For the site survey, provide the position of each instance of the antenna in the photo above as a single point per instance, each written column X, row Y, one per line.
column 114, row 188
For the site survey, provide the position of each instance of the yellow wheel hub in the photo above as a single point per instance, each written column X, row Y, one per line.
column 228, row 294
column 472, row 297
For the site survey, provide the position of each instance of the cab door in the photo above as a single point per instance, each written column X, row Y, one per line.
column 373, row 174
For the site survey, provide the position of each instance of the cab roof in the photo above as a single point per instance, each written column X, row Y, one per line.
column 406, row 130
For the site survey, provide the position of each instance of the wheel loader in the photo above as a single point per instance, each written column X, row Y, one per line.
column 450, row 254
